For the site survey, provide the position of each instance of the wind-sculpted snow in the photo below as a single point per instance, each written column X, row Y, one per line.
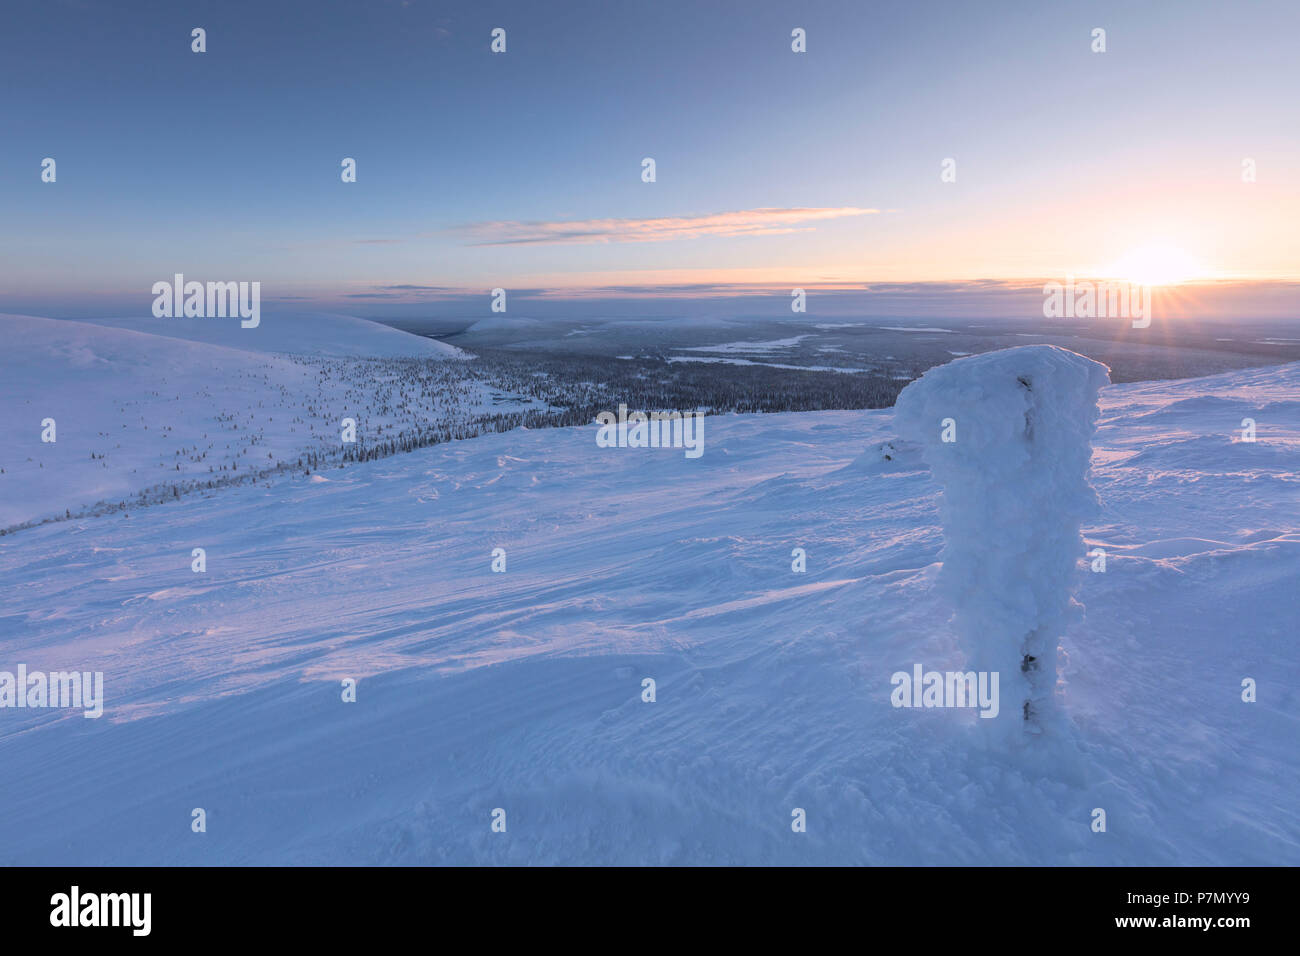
column 1008, row 435
column 522, row 690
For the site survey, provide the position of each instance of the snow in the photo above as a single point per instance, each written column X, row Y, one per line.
column 910, row 328
column 314, row 333
column 506, row 323
column 108, row 391
column 718, row 360
column 1008, row 435
column 157, row 410
column 772, row 345
column 522, row 690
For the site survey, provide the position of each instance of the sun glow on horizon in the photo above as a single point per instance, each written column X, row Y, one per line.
column 1156, row 265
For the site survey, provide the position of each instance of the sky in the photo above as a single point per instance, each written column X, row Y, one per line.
column 523, row 169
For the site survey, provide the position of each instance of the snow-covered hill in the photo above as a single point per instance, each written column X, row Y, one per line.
column 200, row 400
column 307, row 333
column 523, row 690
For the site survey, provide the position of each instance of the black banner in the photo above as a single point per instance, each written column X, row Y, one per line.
column 334, row 905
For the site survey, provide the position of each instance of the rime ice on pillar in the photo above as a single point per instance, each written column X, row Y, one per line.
column 1015, row 490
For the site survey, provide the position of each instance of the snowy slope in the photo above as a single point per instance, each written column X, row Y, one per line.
column 309, row 333
column 136, row 411
column 134, row 398
column 522, row 690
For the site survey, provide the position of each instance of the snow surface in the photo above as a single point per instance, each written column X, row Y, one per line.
column 718, row 360
column 522, row 690
column 746, row 348
column 911, row 328
column 308, row 333
column 1008, row 434
column 156, row 409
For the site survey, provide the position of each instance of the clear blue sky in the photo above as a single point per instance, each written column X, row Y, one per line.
column 225, row 165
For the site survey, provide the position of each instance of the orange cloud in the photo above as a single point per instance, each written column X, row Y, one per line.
column 743, row 222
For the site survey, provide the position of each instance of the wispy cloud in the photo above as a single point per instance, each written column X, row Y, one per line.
column 406, row 291
column 742, row 222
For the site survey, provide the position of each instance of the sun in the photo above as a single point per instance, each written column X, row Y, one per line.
column 1155, row 265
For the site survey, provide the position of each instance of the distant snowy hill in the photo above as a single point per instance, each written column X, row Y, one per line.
column 523, row 690
column 197, row 401
column 134, row 398
column 320, row 333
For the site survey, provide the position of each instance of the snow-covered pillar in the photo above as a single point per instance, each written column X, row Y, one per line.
column 1009, row 437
